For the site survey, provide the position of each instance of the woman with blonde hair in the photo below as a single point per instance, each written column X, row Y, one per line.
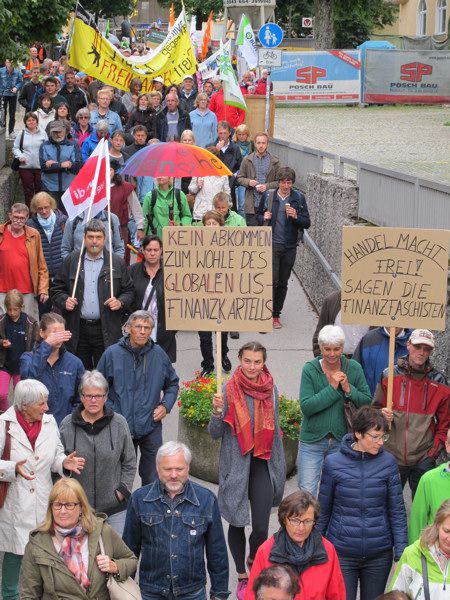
column 423, row 569
column 50, row 223
column 203, row 121
column 35, row 452
column 73, row 551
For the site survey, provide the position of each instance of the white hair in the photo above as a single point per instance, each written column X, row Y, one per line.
column 331, row 334
column 139, row 314
column 28, row 392
column 172, row 448
column 93, row 379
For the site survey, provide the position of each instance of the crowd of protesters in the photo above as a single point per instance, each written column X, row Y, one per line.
column 91, row 365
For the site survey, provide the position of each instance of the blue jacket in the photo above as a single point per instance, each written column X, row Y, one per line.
column 372, row 353
column 136, row 378
column 57, row 178
column 172, row 542
column 61, row 379
column 293, row 226
column 204, row 127
column 10, row 80
column 89, row 145
column 361, row 503
column 52, row 248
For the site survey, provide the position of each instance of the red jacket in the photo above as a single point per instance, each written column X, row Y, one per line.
column 421, row 407
column 320, row 582
column 225, row 112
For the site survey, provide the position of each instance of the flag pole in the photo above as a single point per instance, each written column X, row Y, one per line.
column 108, row 195
column 91, row 202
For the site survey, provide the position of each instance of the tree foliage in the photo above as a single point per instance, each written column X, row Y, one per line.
column 109, row 8
column 200, row 8
column 27, row 21
column 338, row 23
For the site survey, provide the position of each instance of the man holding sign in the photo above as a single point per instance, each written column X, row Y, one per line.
column 420, row 415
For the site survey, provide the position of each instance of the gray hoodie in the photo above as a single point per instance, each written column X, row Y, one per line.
column 110, row 457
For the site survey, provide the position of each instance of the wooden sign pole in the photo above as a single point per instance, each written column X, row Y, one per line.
column 219, row 361
column 391, row 367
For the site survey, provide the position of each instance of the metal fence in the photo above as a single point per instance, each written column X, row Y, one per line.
column 386, row 197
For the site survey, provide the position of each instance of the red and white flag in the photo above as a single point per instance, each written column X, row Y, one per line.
column 90, row 190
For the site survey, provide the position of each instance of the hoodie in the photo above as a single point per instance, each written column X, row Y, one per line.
column 108, row 449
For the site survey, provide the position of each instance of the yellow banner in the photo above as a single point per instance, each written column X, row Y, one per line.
column 93, row 54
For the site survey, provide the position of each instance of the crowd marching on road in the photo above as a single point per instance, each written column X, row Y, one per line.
column 85, row 348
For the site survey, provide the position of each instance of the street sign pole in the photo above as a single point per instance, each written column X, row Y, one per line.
column 266, row 121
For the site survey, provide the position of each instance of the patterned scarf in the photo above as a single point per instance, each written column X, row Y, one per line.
column 238, row 416
column 48, row 224
column 71, row 541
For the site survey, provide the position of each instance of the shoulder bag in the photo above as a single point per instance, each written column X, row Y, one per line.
column 121, row 590
column 6, row 455
column 16, row 161
column 426, row 583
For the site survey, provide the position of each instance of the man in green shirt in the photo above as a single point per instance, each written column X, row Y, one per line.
column 165, row 206
column 433, row 489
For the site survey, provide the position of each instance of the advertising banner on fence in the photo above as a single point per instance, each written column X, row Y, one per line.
column 408, row 76
column 394, row 277
column 325, row 77
column 218, row 279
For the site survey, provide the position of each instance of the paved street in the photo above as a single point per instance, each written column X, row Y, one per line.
column 411, row 139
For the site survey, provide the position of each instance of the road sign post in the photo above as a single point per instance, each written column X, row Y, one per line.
column 270, row 35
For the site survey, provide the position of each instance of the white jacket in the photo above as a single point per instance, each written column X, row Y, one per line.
column 45, row 118
column 30, row 147
column 26, row 502
column 212, row 185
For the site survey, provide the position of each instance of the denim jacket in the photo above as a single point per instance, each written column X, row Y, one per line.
column 171, row 540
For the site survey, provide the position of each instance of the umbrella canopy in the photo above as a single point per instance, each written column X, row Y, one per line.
column 172, row 159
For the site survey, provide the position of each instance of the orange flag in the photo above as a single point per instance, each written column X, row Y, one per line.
column 206, row 37
column 172, row 16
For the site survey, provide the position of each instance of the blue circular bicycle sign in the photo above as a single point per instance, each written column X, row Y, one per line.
column 270, row 35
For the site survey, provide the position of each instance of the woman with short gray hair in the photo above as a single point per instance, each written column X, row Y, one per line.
column 35, row 452
column 82, row 128
column 102, row 436
column 327, row 383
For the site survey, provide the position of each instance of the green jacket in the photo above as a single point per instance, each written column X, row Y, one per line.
column 45, row 576
column 159, row 217
column 433, row 489
column 322, row 405
column 235, row 220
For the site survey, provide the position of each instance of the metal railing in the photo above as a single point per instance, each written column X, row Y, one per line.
column 386, row 197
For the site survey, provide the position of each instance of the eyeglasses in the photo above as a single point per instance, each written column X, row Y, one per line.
column 378, row 438
column 93, row 396
column 67, row 505
column 19, row 219
column 83, row 117
column 297, row 522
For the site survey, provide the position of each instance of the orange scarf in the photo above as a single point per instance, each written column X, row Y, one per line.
column 260, row 437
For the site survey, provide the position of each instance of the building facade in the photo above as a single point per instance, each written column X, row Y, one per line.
column 420, row 17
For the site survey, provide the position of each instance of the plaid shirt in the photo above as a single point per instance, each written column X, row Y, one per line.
column 262, row 166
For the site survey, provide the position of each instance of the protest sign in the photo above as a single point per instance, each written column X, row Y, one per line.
column 93, row 54
column 394, row 277
column 218, row 278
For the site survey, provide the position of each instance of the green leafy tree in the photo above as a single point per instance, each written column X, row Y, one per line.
column 338, row 23
column 27, row 21
column 199, row 8
column 109, row 8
